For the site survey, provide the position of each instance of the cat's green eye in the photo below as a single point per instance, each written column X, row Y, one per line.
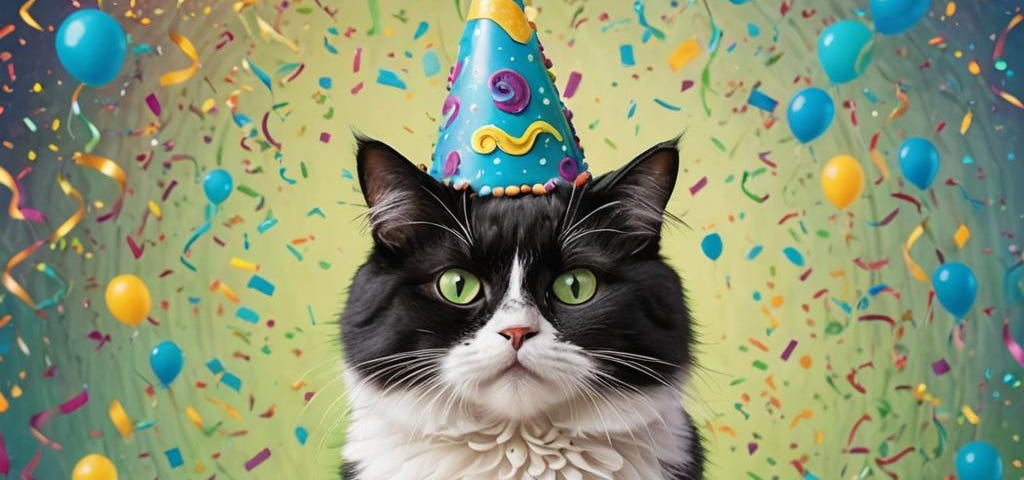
column 575, row 286
column 458, row 286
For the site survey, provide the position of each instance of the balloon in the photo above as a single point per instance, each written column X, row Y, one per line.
column 810, row 113
column 91, row 45
column 166, row 360
column 128, row 299
column 845, row 49
column 217, row 185
column 842, row 180
column 956, row 287
column 897, row 16
column 712, row 246
column 919, row 162
column 94, row 467
column 979, row 461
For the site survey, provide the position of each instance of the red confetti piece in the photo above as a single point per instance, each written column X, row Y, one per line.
column 266, row 132
column 856, row 426
column 26, row 473
column 887, row 220
column 870, row 266
column 877, row 318
column 763, row 156
column 257, row 460
column 788, row 216
column 882, row 462
column 908, row 198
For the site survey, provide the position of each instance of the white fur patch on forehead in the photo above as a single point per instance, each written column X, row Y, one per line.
column 514, row 293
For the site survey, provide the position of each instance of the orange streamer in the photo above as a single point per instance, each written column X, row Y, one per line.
column 175, row 77
column 915, row 270
column 108, row 168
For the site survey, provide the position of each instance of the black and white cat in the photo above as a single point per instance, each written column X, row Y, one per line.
column 538, row 337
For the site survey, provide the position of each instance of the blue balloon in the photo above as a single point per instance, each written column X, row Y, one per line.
column 810, row 113
column 956, row 288
column 897, row 16
column 845, row 49
column 919, row 161
column 166, row 360
column 217, row 184
column 712, row 246
column 979, row 461
column 91, row 45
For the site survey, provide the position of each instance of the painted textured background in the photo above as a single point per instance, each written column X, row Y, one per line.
column 857, row 397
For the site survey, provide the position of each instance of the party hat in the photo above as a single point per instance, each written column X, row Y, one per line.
column 504, row 130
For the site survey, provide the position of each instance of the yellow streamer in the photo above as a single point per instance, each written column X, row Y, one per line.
column 489, row 137
column 175, row 77
column 8, row 181
column 266, row 31
column 506, row 14
column 915, row 270
column 9, row 282
column 27, row 17
column 879, row 160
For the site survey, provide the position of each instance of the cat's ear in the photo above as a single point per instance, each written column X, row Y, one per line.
column 642, row 188
column 396, row 191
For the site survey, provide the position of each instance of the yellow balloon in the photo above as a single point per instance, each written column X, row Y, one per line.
column 842, row 180
column 128, row 299
column 94, row 467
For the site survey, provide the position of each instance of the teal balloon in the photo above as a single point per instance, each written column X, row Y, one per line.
column 919, row 161
column 897, row 16
column 166, row 360
column 845, row 49
column 956, row 287
column 1013, row 283
column 810, row 113
column 712, row 246
column 217, row 185
column 979, row 461
column 91, row 45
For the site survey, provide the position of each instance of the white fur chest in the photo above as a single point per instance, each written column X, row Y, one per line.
column 396, row 438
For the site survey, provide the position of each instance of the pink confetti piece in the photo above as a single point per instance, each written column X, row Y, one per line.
column 698, row 186
column 789, row 350
column 356, row 89
column 26, row 473
column 5, row 461
column 74, row 403
column 1016, row 351
column 257, row 460
column 940, row 367
column 154, row 104
column 357, row 60
column 572, row 84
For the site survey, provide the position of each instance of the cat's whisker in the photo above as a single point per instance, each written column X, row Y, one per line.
column 635, row 366
column 636, row 356
column 570, row 230
column 469, row 236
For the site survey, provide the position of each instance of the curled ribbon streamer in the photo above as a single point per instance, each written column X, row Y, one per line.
column 76, row 110
column 915, row 270
column 266, row 31
column 489, row 137
column 27, row 17
column 14, row 209
column 8, row 280
column 62, row 291
column 211, row 210
column 108, row 168
column 175, row 77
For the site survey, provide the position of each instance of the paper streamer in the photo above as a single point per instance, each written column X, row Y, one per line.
column 62, row 290
column 915, row 270
column 211, row 210
column 14, row 209
column 76, row 110
column 108, row 168
column 175, row 77
column 27, row 17
column 1016, row 351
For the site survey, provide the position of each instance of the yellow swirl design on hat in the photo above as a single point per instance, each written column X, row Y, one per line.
column 489, row 137
column 506, row 14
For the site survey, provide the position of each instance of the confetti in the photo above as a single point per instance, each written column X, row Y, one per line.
column 389, row 78
column 257, row 459
column 27, row 17
column 911, row 266
column 572, row 84
column 685, row 53
column 759, row 100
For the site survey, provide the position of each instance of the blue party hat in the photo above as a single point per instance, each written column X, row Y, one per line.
column 504, row 130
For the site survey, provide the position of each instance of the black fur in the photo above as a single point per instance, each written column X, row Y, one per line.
column 640, row 306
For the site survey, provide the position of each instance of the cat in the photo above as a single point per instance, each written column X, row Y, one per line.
column 538, row 337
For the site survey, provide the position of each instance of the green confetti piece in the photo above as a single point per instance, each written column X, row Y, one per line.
column 718, row 144
column 760, row 365
column 248, row 191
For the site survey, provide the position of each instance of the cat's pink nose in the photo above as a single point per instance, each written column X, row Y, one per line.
column 518, row 335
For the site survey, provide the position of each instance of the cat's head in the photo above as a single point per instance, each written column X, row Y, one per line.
column 514, row 306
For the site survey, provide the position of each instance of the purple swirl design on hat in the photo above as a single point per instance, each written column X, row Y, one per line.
column 450, row 109
column 451, row 163
column 567, row 169
column 510, row 91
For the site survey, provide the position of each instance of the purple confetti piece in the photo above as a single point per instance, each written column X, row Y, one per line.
column 572, row 84
column 257, row 460
column 789, row 350
column 940, row 367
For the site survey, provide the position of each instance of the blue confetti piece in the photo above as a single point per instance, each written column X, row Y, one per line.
column 389, row 78
column 330, row 48
column 247, row 314
column 142, row 49
column 261, row 75
column 875, row 290
column 632, row 109
column 309, row 310
column 326, row 83
column 333, row 31
column 754, row 252
column 431, row 65
column 240, row 119
column 301, row 435
column 843, row 305
column 214, row 366
column 266, row 225
column 174, row 457
column 758, row 99
column 261, row 285
column 753, row 30
column 346, row 174
column 667, row 105
column 420, row 30
column 295, row 252
column 193, row 300
column 144, row 425
column 626, row 55
column 794, row 256
column 316, row 211
column 231, row 381
column 870, row 95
